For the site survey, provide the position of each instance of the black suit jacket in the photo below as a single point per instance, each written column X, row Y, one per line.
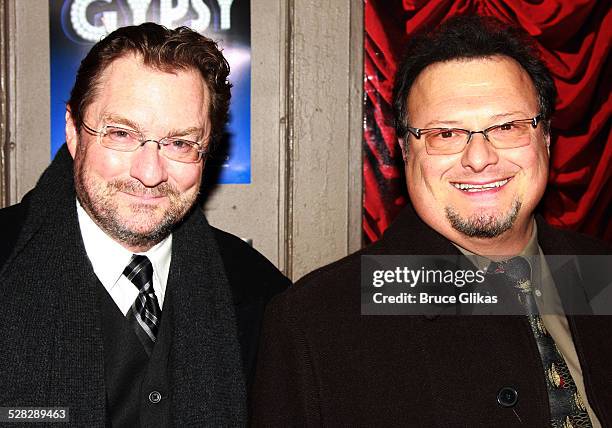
column 324, row 364
column 50, row 323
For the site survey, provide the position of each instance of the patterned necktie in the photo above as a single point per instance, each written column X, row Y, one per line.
column 566, row 406
column 145, row 313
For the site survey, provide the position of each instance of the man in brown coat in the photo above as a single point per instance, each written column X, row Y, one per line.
column 473, row 107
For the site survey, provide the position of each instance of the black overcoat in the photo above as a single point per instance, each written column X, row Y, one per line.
column 324, row 364
column 51, row 341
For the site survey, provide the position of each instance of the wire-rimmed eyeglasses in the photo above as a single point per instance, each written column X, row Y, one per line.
column 449, row 141
column 128, row 140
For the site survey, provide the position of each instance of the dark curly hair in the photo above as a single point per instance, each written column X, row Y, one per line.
column 465, row 37
column 162, row 49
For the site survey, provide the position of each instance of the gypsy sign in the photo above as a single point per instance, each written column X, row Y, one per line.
column 167, row 15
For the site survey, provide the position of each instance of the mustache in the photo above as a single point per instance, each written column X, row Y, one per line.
column 135, row 187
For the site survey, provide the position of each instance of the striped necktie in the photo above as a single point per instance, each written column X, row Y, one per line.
column 566, row 406
column 145, row 313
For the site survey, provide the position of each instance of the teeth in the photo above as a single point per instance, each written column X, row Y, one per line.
column 479, row 187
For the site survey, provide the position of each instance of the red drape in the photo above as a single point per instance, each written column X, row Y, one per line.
column 574, row 38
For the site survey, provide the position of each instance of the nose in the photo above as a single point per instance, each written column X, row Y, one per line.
column 479, row 153
column 148, row 165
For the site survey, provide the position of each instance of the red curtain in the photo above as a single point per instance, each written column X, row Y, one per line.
column 574, row 38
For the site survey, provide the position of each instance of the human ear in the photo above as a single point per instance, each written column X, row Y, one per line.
column 71, row 133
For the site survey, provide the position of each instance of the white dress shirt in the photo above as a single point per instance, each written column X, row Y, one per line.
column 109, row 259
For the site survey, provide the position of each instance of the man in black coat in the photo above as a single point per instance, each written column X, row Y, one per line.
column 473, row 106
column 120, row 304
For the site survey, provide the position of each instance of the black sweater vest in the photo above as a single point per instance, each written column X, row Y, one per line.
column 137, row 387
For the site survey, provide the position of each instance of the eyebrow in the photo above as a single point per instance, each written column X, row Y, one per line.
column 438, row 123
column 192, row 130
column 121, row 120
column 510, row 114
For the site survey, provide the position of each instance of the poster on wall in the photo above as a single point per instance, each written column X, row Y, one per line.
column 75, row 25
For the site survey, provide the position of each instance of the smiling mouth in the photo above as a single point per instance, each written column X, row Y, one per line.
column 145, row 196
column 471, row 188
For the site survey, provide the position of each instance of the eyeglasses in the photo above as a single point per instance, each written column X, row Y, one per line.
column 449, row 141
column 129, row 140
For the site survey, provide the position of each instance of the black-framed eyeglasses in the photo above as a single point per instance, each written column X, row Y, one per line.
column 449, row 141
column 128, row 140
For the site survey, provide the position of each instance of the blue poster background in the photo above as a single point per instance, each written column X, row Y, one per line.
column 76, row 24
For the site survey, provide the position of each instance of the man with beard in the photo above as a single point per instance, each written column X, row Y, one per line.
column 119, row 301
column 473, row 105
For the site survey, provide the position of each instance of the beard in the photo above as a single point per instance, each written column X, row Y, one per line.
column 483, row 225
column 132, row 224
